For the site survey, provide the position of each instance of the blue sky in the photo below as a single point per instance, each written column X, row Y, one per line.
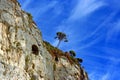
column 92, row 28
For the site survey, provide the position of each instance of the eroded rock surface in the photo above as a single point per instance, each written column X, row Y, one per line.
column 22, row 54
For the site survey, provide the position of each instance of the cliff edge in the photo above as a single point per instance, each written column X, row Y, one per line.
column 23, row 53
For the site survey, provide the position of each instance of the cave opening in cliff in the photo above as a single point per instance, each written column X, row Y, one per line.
column 35, row 49
column 56, row 58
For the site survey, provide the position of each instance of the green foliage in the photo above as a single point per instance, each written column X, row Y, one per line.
column 72, row 53
column 52, row 50
column 30, row 16
column 61, row 37
column 30, row 19
column 79, row 60
column 57, row 52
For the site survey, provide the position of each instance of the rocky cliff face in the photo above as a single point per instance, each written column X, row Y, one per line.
column 22, row 52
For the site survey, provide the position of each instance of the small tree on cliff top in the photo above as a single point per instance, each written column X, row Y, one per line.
column 79, row 60
column 61, row 37
column 72, row 53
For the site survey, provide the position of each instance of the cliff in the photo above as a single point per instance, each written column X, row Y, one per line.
column 24, row 55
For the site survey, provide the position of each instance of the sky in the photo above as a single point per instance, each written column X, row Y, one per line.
column 92, row 28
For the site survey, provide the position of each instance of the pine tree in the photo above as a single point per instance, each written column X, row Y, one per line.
column 61, row 37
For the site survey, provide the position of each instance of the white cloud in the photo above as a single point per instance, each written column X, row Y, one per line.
column 108, row 74
column 26, row 3
column 105, row 77
column 38, row 10
column 117, row 28
column 98, row 29
column 96, row 76
column 92, row 76
column 45, row 8
column 111, row 72
column 114, row 4
column 114, row 31
column 85, row 7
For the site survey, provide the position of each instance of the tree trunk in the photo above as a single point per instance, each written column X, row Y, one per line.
column 58, row 43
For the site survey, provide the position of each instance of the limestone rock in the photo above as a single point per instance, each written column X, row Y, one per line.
column 22, row 54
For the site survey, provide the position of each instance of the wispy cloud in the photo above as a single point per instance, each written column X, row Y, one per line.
column 105, row 77
column 82, row 9
column 98, row 30
column 92, row 76
column 85, row 7
column 40, row 9
column 113, row 4
column 117, row 28
column 26, row 3
column 114, row 31
column 111, row 71
column 108, row 74
column 45, row 8
column 97, row 76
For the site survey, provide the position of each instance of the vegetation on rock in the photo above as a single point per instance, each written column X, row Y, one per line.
column 59, row 53
column 72, row 53
column 79, row 60
column 30, row 19
column 14, row 1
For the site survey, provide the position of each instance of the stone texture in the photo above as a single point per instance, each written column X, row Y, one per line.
column 18, row 60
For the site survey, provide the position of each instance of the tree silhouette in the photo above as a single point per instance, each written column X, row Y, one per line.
column 61, row 37
column 72, row 53
column 79, row 60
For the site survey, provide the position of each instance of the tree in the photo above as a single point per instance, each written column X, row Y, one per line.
column 72, row 53
column 79, row 60
column 61, row 37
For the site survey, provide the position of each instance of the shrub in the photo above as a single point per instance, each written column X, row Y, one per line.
column 72, row 53
column 57, row 53
column 79, row 60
